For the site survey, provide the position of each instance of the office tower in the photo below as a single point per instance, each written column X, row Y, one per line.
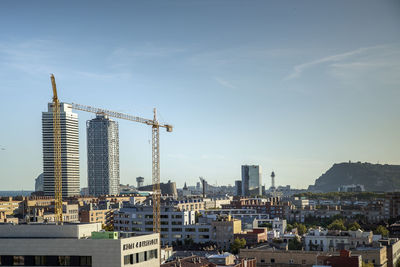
column 140, row 181
column 238, row 188
column 39, row 183
column 69, row 151
column 103, row 156
column 251, row 180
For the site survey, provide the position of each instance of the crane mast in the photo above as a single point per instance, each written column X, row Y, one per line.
column 57, row 154
column 155, row 151
column 156, row 174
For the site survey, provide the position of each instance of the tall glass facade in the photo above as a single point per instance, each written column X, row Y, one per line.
column 103, row 156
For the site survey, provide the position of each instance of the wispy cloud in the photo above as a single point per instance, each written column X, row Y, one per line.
column 299, row 69
column 224, row 83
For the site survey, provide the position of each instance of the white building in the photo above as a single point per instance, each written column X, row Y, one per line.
column 102, row 156
column 175, row 225
column 69, row 151
column 326, row 240
column 278, row 226
column 75, row 245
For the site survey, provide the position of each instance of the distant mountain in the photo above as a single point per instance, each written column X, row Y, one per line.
column 374, row 177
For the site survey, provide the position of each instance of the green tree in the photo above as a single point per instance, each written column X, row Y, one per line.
column 295, row 244
column 381, row 230
column 301, row 228
column 268, row 225
column 237, row 244
column 337, row 225
column 354, row 226
column 289, row 227
column 107, row 227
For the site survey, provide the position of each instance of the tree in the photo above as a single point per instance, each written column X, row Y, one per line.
column 268, row 225
column 289, row 227
column 301, row 228
column 237, row 244
column 295, row 244
column 354, row 226
column 107, row 227
column 381, row 230
column 337, row 225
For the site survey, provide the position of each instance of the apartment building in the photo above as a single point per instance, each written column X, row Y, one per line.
column 176, row 225
column 334, row 240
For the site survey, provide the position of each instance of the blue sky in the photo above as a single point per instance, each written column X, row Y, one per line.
column 293, row 86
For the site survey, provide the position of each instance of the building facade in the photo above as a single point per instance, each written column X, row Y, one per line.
column 69, row 151
column 175, row 225
column 75, row 245
column 102, row 156
column 251, row 180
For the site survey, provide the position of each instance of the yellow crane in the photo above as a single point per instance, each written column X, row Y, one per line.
column 155, row 151
column 57, row 155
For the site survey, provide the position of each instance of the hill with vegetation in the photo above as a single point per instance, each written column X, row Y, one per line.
column 374, row 177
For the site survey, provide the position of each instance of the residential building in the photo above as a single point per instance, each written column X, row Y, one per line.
column 75, row 245
column 392, row 205
column 224, row 230
column 251, row 180
column 268, row 257
column 46, row 213
column 10, row 205
column 345, row 259
column 351, row 188
column 176, row 225
column 274, row 207
column 225, row 259
column 102, row 156
column 334, row 240
column 253, row 237
column 93, row 213
column 69, row 151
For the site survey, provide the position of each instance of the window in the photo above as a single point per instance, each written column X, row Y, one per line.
column 272, row 260
column 291, row 261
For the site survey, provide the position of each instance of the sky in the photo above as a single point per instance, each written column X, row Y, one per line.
column 292, row 86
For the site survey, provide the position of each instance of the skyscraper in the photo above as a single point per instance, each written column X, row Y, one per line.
column 69, row 151
column 103, row 156
column 251, row 180
column 238, row 188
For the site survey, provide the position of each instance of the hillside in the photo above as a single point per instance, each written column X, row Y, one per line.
column 374, row 177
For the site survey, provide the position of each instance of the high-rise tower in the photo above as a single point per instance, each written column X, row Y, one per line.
column 69, row 151
column 251, row 180
column 103, row 156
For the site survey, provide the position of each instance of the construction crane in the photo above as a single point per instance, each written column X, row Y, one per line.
column 155, row 151
column 57, row 155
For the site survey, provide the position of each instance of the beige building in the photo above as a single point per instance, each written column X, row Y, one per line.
column 224, row 230
column 75, row 245
column 96, row 216
column 10, row 206
column 375, row 255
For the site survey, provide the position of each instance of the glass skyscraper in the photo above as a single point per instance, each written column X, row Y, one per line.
column 251, row 180
column 103, row 156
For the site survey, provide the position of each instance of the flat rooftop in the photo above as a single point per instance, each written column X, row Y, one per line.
column 46, row 230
